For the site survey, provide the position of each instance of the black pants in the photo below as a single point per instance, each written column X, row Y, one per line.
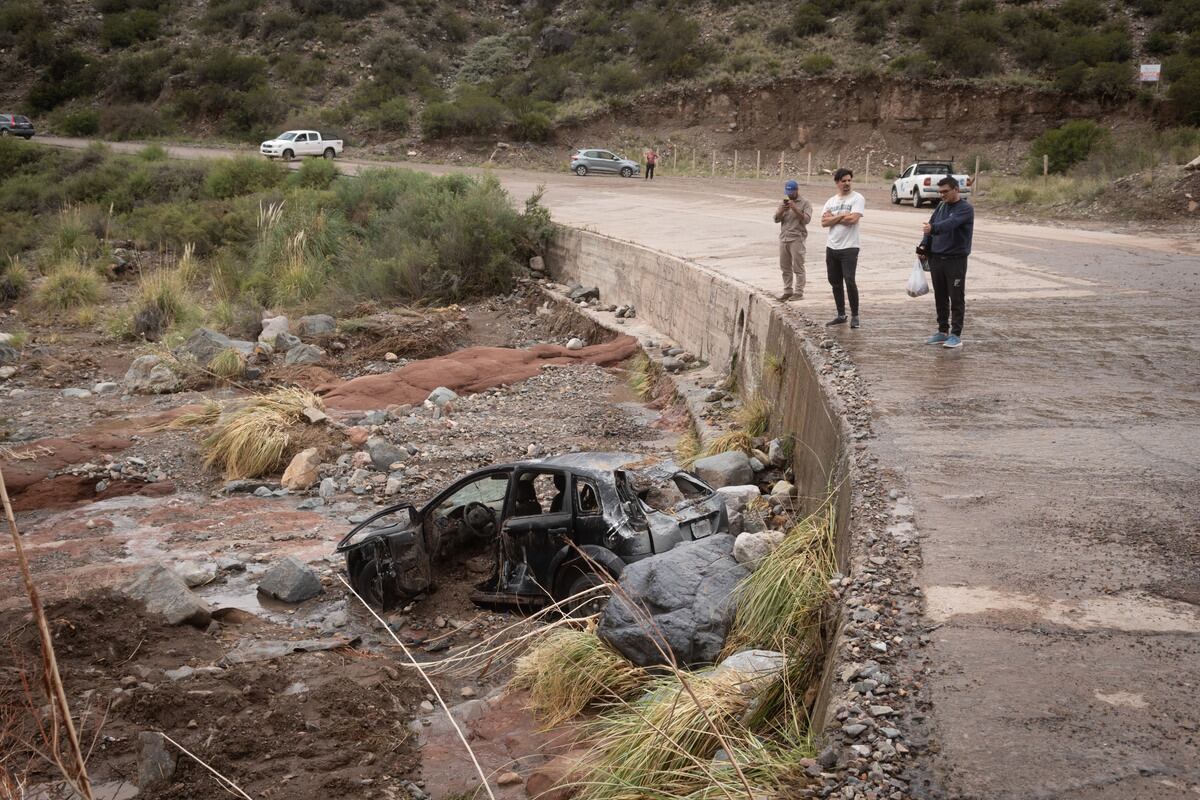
column 841, row 265
column 649, row 172
column 948, row 275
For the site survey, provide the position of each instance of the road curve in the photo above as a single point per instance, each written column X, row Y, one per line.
column 1053, row 465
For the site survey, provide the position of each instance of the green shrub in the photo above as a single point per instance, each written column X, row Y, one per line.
column 1184, row 94
column 170, row 226
column 19, row 233
column 14, row 278
column 1083, row 12
column 347, row 9
column 668, row 44
column 532, row 126
column 223, row 16
column 152, row 152
column 128, row 28
column 472, row 112
column 807, row 20
column 83, row 122
column 392, row 115
column 1110, row 80
column 454, row 26
column 618, row 78
column 231, row 177
column 134, row 121
column 314, row 173
column 277, row 22
column 139, row 77
column 399, row 67
column 914, row 65
column 232, row 71
column 1066, row 146
column 871, row 24
column 817, row 63
column 490, row 58
column 67, row 74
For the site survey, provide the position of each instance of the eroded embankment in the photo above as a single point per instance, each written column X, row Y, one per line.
column 868, row 712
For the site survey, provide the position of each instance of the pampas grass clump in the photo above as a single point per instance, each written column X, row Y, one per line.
column 570, row 669
column 258, row 437
column 733, row 440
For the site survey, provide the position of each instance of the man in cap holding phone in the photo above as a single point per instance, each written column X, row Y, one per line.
column 792, row 215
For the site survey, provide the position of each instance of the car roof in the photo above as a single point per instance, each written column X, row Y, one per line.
column 596, row 464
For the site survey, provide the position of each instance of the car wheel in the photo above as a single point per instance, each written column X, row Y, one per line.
column 917, row 198
column 3, row 131
column 626, row 172
column 288, row 155
column 895, row 197
column 329, row 154
column 581, row 170
column 577, row 578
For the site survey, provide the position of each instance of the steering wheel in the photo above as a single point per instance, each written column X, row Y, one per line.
column 479, row 519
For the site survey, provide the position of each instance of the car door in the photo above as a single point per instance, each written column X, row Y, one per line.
column 534, row 529
column 386, row 557
column 467, row 514
column 593, row 161
column 589, row 526
column 302, row 146
column 611, row 162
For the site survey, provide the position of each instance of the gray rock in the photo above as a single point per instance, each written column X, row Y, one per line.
column 537, row 264
column 440, row 396
column 9, row 354
column 308, row 504
column 290, row 580
column 304, row 354
column 180, row 674
column 853, row 729
column 584, row 293
column 284, row 341
column 891, row 733
column 862, row 750
column 751, row 548
column 195, row 573
column 107, row 387
column 575, row 344
column 757, row 668
column 384, row 453
column 783, row 490
column 756, row 464
column 230, row 564
column 776, row 453
column 328, row 488
column 6, row 372
column 828, row 758
column 165, row 593
column 315, row 325
column 75, row 393
column 244, row 486
column 864, row 615
column 553, row 41
column 272, row 327
column 738, row 497
column 725, row 469
column 263, row 491
column 687, row 591
column 204, row 343
column 672, row 364
column 377, row 417
column 149, row 375
column 156, row 761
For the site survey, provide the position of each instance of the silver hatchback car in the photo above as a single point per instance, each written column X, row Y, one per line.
column 602, row 161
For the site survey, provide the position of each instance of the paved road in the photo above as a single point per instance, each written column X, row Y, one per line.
column 1053, row 462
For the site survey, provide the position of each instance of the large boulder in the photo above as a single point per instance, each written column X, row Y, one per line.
column 149, row 375
column 384, row 453
column 272, row 327
column 738, row 497
column 315, row 325
column 304, row 354
column 165, row 593
column 751, row 548
column 687, row 593
column 303, row 471
column 204, row 343
column 290, row 580
column 754, row 668
column 725, row 469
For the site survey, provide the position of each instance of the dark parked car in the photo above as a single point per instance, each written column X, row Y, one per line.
column 535, row 518
column 585, row 161
column 15, row 125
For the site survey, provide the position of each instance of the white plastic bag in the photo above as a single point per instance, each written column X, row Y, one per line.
column 917, row 285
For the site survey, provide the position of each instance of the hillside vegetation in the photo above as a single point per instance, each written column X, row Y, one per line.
column 389, row 69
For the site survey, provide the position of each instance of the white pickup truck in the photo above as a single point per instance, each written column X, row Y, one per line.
column 919, row 182
column 290, row 144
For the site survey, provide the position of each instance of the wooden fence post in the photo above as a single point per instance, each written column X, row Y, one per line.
column 712, row 173
column 867, row 171
column 781, row 166
column 693, row 161
column 975, row 179
column 735, row 163
column 758, row 163
column 808, row 180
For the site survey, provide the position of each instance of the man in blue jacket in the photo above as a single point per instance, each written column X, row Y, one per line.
column 944, row 250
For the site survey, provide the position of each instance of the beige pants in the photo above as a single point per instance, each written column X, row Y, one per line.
column 791, row 263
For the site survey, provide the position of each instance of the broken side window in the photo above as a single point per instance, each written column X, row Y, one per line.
column 587, row 499
column 539, row 493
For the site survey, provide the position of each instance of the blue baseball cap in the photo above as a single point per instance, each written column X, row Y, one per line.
column 791, row 186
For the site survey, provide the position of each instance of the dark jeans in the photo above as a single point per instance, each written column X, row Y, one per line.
column 649, row 172
column 948, row 275
column 841, row 265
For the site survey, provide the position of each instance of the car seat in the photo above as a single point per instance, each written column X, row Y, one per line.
column 560, row 499
column 526, row 503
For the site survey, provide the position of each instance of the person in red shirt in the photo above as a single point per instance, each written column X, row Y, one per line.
column 651, row 160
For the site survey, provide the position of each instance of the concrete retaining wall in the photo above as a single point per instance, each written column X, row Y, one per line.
column 733, row 327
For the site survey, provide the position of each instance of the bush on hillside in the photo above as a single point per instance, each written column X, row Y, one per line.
column 67, row 74
column 129, row 28
column 668, row 44
column 807, row 20
column 83, row 122
column 1184, row 94
column 817, row 63
column 532, row 126
column 392, row 115
column 232, row 177
column 471, row 112
column 139, row 77
column 314, row 173
column 134, row 121
column 224, row 16
column 1066, row 146
column 232, row 71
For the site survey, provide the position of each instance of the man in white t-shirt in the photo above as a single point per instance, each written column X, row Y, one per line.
column 840, row 217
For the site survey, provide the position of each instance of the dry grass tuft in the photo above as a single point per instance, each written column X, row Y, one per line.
column 259, row 437
column 208, row 414
column 643, row 375
column 68, row 286
column 689, row 448
column 754, row 415
column 780, row 605
column 228, row 365
column 571, row 669
column 731, row 440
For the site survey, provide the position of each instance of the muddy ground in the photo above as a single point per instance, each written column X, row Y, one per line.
column 347, row 720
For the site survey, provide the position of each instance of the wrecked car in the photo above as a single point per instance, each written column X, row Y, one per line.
column 537, row 519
